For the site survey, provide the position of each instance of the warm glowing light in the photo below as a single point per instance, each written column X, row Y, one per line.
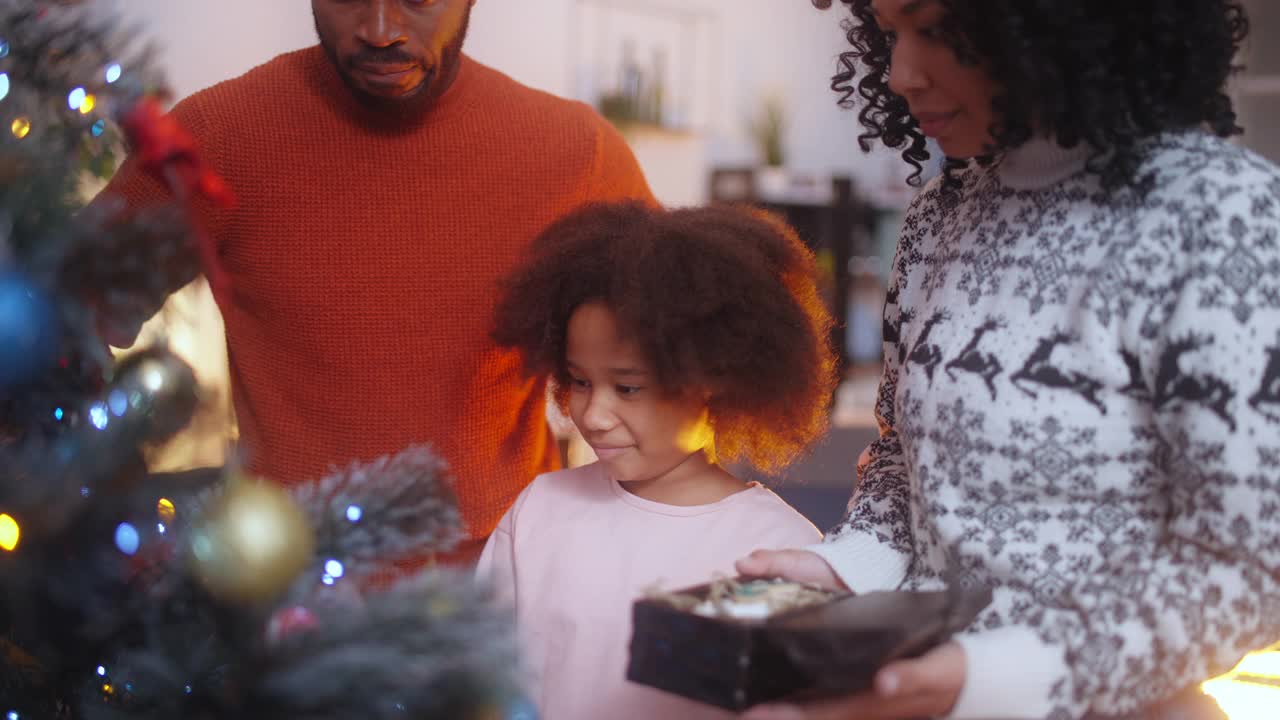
column 20, row 127
column 165, row 509
column 1266, row 664
column 1251, row 691
column 86, row 105
column 9, row 533
column 152, row 375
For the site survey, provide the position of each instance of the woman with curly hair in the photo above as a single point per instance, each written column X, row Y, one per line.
column 678, row 341
column 1080, row 405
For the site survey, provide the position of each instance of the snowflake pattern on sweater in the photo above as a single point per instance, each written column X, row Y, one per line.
column 1081, row 409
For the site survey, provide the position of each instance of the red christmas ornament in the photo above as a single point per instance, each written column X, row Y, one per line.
column 169, row 153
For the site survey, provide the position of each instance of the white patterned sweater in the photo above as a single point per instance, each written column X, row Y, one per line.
column 1080, row 408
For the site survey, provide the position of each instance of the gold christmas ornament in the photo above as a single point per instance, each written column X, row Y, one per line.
column 251, row 543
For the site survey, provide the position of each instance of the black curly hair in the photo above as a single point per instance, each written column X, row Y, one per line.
column 720, row 300
column 1110, row 73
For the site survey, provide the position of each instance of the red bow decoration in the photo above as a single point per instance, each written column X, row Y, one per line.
column 169, row 153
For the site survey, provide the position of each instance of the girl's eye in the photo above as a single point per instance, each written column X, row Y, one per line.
column 933, row 32
column 627, row 390
column 578, row 382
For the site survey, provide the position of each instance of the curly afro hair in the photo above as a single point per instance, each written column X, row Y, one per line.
column 720, row 300
column 1106, row 72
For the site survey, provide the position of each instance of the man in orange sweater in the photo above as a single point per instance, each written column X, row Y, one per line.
column 384, row 182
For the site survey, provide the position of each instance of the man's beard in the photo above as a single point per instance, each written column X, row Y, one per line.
column 416, row 102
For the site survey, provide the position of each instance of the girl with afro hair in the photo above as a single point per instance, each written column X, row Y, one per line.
column 1080, row 405
column 678, row 341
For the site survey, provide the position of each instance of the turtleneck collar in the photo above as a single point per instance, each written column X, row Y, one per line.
column 1040, row 163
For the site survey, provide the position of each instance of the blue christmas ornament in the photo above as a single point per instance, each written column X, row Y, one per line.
column 521, row 709
column 28, row 330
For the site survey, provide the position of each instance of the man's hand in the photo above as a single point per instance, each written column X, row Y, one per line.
column 120, row 331
column 924, row 687
column 795, row 565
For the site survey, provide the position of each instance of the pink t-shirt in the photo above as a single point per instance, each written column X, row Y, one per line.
column 577, row 549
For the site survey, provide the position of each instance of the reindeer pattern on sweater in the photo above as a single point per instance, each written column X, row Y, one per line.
column 1081, row 409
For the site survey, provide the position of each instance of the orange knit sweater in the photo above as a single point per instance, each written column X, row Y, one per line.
column 363, row 256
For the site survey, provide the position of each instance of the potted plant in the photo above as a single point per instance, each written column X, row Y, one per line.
column 767, row 129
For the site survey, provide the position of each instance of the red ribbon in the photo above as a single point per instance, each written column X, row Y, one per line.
column 169, row 153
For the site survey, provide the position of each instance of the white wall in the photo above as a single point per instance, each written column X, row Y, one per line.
column 201, row 43
column 781, row 47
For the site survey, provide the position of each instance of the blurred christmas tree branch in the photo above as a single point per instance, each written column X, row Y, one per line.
column 192, row 595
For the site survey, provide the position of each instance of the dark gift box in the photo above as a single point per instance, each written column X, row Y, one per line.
column 831, row 648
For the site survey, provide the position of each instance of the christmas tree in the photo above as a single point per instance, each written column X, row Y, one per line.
column 128, row 595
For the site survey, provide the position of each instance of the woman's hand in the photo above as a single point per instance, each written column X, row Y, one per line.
column 795, row 565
